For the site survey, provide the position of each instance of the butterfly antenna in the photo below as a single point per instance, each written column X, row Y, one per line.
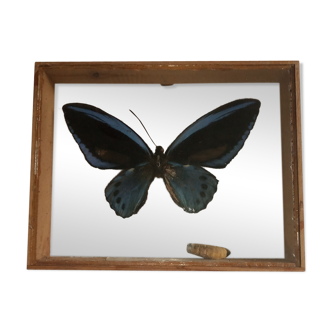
column 143, row 127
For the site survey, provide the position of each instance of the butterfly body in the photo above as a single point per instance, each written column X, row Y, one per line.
column 159, row 161
column 211, row 141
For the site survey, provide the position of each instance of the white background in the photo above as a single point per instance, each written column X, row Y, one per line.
column 245, row 215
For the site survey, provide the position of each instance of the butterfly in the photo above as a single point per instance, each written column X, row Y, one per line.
column 211, row 141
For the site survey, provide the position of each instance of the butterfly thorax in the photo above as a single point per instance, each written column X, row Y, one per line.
column 158, row 161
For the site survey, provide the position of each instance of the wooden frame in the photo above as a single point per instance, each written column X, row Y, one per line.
column 286, row 73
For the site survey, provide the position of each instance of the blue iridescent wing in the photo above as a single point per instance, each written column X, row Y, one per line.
column 215, row 138
column 105, row 141
column 128, row 191
column 191, row 187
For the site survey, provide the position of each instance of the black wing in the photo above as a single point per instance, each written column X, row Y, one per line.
column 215, row 138
column 106, row 142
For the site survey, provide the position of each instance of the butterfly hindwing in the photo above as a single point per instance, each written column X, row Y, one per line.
column 191, row 187
column 128, row 191
column 106, row 142
column 215, row 138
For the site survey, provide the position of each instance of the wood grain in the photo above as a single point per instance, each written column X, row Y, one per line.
column 47, row 74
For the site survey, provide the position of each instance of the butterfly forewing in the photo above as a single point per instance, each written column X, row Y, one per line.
column 216, row 138
column 128, row 191
column 191, row 187
column 106, row 142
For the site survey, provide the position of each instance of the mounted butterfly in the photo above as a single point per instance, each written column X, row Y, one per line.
column 211, row 141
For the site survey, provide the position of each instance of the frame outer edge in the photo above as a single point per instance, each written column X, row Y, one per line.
column 299, row 157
